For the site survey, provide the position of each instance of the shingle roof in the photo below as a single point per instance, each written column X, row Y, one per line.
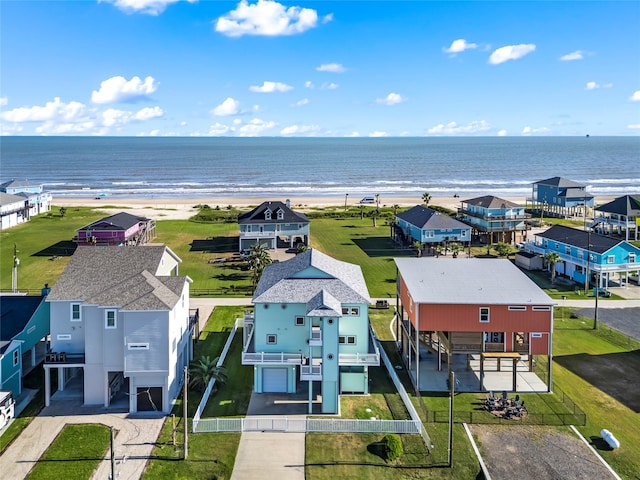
column 324, row 305
column 580, row 238
column 574, row 192
column 7, row 198
column 489, row 201
column 15, row 313
column 119, row 221
column 18, row 184
column 464, row 281
column 427, row 219
column 628, row 205
column 559, row 182
column 285, row 282
column 257, row 215
column 119, row 277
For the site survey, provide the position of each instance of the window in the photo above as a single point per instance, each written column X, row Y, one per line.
column 299, row 321
column 632, row 258
column 267, row 215
column 484, row 314
column 75, row 312
column 63, row 336
column 272, row 339
column 280, row 214
column 567, row 249
column 353, row 311
column 16, row 357
column 138, row 346
column 539, row 308
column 557, row 246
column 536, row 335
column 110, row 319
column 464, row 233
column 518, row 308
column 347, row 339
column 430, row 234
column 611, row 259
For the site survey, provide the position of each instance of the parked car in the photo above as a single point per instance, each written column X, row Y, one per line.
column 6, row 408
column 368, row 200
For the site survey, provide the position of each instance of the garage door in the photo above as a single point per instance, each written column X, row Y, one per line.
column 149, row 399
column 274, row 380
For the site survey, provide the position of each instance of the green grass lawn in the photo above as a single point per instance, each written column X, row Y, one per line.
column 74, row 454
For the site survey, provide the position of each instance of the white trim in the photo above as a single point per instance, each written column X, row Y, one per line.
column 275, row 339
column 541, row 308
column 536, row 335
column 106, row 319
column 299, row 324
column 481, row 314
column 79, row 319
column 518, row 308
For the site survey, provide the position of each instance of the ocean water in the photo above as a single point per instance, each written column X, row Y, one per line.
column 282, row 167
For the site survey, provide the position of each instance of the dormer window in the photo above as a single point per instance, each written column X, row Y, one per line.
column 267, row 214
column 280, row 214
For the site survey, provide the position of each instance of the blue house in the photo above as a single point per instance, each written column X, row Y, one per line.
column 559, row 197
column 426, row 225
column 311, row 324
column 24, row 327
column 38, row 199
column 494, row 217
column 586, row 255
column 270, row 222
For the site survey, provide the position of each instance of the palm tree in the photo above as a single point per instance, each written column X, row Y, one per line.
column 455, row 248
column 551, row 258
column 374, row 215
column 300, row 248
column 258, row 259
column 361, row 207
column 63, row 211
column 205, row 369
column 395, row 207
column 418, row 246
column 426, row 198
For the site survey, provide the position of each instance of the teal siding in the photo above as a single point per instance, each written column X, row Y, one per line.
column 37, row 328
column 10, row 376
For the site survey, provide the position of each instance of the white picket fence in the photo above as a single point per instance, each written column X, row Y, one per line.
column 304, row 425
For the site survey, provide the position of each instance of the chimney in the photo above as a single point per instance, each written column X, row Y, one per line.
column 45, row 290
column 287, row 202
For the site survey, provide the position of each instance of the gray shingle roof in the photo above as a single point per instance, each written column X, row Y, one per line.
column 324, row 305
column 121, row 277
column 559, row 182
column 286, row 282
column 628, row 205
column 8, row 198
column 489, row 201
column 119, row 221
column 428, row 219
column 257, row 215
column 574, row 192
column 580, row 238
column 18, row 184
column 464, row 281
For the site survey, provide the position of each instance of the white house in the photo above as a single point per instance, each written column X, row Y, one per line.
column 14, row 210
column 120, row 320
column 38, row 199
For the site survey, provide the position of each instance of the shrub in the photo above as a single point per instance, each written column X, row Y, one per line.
column 393, row 446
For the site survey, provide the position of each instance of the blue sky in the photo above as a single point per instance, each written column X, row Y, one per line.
column 328, row 68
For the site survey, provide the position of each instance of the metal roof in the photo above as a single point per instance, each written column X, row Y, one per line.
column 490, row 201
column 559, row 182
column 119, row 221
column 580, row 238
column 474, row 281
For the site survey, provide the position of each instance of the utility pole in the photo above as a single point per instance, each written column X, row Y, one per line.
column 587, row 273
column 113, row 455
column 451, row 393
column 346, row 196
column 16, row 262
column 595, row 316
column 184, row 413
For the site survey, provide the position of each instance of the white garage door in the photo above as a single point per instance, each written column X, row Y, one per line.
column 274, row 380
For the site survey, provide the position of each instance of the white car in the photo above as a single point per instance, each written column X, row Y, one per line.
column 368, row 200
column 6, row 408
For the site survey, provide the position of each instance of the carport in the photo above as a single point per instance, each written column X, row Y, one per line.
column 514, row 356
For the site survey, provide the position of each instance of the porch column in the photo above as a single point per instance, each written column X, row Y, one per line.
column 481, row 371
column 515, row 374
column 310, row 394
column 47, row 386
column 61, row 379
column 33, row 356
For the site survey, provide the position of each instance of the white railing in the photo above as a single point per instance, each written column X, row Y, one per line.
column 304, row 425
column 259, row 234
column 316, row 337
column 207, row 392
column 310, row 372
column 258, row 358
column 359, row 359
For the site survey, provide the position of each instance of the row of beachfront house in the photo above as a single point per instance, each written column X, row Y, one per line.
column 21, row 200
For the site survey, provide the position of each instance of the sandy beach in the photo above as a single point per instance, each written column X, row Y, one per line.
column 179, row 208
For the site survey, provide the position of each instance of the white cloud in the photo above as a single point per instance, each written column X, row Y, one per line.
column 3, row 101
column 10, row 129
column 452, row 128
column 577, row 55
column 353, row 134
column 391, row 99
column 511, row 52
column 300, row 103
column 119, row 89
column 117, row 118
column 635, row 126
column 51, row 111
column 309, row 84
column 595, row 86
column 270, row 87
column 266, row 17
column 327, row 18
column 378, row 133
column 459, row 45
column 229, row 107
column 331, row 67
column 220, row 129
column 149, row 7
column 300, row 130
column 533, row 131
column 255, row 127
column 635, row 97
column 502, row 133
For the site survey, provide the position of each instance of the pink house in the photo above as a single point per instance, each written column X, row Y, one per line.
column 119, row 229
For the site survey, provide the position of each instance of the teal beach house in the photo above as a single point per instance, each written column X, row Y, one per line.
column 496, row 218
column 560, row 197
column 425, row 225
column 310, row 328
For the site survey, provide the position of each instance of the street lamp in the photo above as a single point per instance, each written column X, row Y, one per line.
column 346, row 196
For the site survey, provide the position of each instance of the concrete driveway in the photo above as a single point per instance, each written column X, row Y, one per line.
column 135, row 439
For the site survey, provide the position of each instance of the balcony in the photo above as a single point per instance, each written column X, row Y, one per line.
column 63, row 358
column 370, row 358
column 493, row 218
column 316, row 337
column 259, row 234
column 271, row 358
column 311, row 372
